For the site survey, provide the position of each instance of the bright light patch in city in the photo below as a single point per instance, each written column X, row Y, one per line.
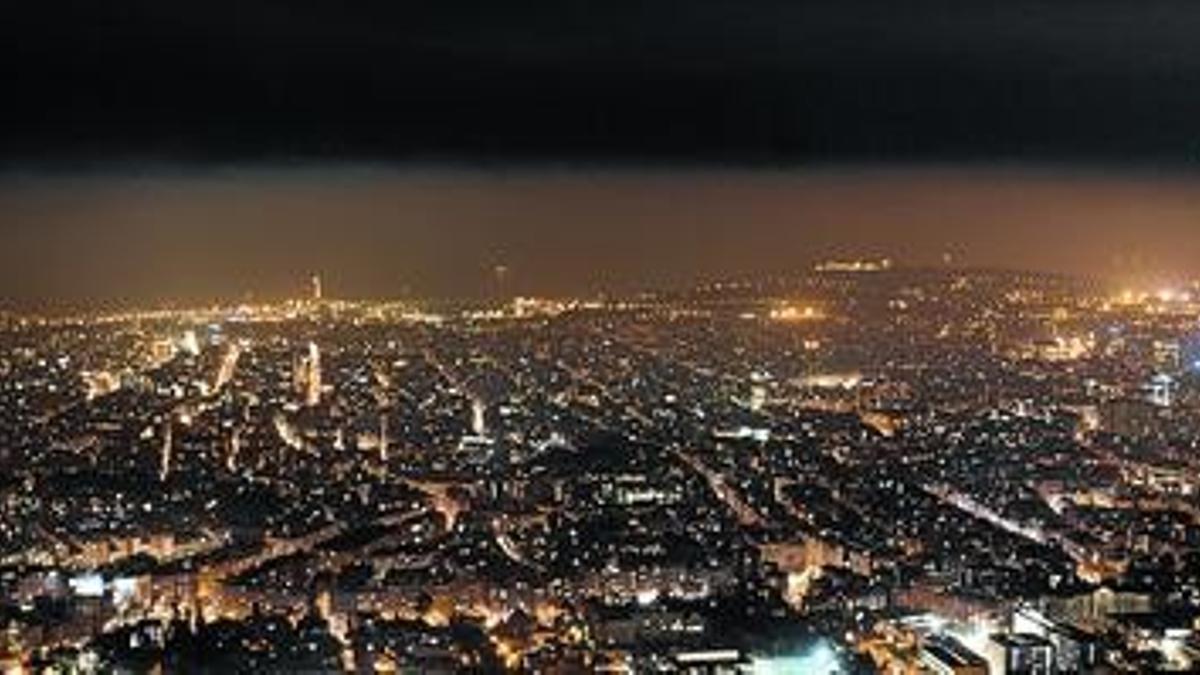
column 820, row 659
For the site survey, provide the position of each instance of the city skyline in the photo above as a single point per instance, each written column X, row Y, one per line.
column 704, row 337
column 861, row 468
column 201, row 236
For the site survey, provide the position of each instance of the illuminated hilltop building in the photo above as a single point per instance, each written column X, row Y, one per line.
column 878, row 265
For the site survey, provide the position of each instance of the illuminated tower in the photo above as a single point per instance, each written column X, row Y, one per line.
column 235, row 446
column 228, row 366
column 299, row 374
column 312, row 395
column 383, row 438
column 316, row 287
column 478, row 423
column 500, row 275
column 164, row 469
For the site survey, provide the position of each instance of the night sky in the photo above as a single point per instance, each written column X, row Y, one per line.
column 157, row 150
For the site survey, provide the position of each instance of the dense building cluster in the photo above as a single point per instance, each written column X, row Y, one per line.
column 861, row 469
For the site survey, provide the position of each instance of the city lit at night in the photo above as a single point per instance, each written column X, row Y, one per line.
column 721, row 337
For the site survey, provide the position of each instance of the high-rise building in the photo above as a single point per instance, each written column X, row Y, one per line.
column 500, row 275
column 478, row 417
column 316, row 288
column 306, row 375
column 235, row 447
column 228, row 366
column 383, row 438
column 164, row 469
column 312, row 395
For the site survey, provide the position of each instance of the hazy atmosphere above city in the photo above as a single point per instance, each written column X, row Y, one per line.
column 202, row 235
column 716, row 337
